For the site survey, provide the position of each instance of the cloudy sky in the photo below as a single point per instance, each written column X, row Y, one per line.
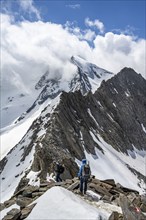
column 37, row 35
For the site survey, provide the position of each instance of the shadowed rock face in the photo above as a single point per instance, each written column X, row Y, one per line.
column 117, row 111
column 119, row 108
column 123, row 110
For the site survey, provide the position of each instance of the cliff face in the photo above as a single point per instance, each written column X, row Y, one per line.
column 122, row 112
column 116, row 112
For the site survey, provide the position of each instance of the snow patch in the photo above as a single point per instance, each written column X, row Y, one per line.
column 111, row 165
column 33, row 178
column 115, row 90
column 114, row 105
column 59, row 203
column 4, row 212
column 89, row 112
column 143, row 128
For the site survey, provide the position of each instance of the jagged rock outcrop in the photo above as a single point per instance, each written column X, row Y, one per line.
column 110, row 193
column 123, row 110
column 117, row 111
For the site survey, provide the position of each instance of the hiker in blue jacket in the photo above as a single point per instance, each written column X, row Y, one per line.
column 84, row 175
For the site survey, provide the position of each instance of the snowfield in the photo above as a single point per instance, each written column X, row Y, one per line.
column 59, row 203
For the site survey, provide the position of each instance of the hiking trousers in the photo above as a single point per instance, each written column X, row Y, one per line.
column 83, row 184
column 58, row 178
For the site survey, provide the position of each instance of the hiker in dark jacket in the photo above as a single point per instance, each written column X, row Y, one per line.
column 59, row 169
column 84, row 175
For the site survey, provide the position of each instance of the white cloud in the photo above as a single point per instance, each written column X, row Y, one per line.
column 89, row 35
column 129, row 30
column 28, row 49
column 31, row 48
column 28, row 7
column 86, row 34
column 115, row 51
column 96, row 23
column 20, row 9
column 75, row 6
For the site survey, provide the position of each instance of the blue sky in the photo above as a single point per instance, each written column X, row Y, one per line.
column 117, row 16
column 114, row 14
column 37, row 35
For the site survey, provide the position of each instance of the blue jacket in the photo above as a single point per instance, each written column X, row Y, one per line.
column 81, row 167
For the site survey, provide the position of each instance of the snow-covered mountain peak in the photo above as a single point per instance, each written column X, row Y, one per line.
column 89, row 68
column 88, row 77
column 43, row 80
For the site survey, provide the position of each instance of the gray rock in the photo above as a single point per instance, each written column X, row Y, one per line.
column 129, row 210
column 99, row 189
column 13, row 214
column 114, row 216
column 109, row 182
column 23, row 201
column 25, row 212
column 74, row 186
column 37, row 194
column 2, row 206
column 8, row 203
column 143, row 207
column 27, row 192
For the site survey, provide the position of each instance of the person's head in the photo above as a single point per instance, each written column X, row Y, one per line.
column 84, row 161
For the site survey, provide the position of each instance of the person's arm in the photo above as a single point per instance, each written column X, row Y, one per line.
column 80, row 171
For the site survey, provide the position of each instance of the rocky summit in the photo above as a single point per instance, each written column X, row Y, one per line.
column 129, row 203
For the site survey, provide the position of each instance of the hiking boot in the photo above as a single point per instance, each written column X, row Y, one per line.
column 81, row 193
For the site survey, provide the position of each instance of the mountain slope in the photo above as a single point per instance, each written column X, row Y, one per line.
column 88, row 76
column 96, row 126
column 17, row 105
column 45, row 92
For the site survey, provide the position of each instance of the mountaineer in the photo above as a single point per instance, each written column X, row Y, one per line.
column 84, row 176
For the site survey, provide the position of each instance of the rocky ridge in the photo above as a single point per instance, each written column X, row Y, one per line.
column 131, row 204
column 109, row 113
column 86, row 78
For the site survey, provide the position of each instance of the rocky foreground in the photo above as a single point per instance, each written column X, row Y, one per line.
column 133, row 205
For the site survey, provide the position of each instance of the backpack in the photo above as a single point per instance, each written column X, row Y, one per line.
column 61, row 169
column 86, row 171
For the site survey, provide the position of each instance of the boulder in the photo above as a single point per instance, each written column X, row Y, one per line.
column 130, row 211
column 114, row 216
column 23, row 201
column 43, row 189
column 9, row 202
column 25, row 212
column 99, row 189
column 143, row 207
column 109, row 182
column 2, row 206
column 27, row 192
column 74, row 186
column 13, row 214
column 37, row 194
column 143, row 199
